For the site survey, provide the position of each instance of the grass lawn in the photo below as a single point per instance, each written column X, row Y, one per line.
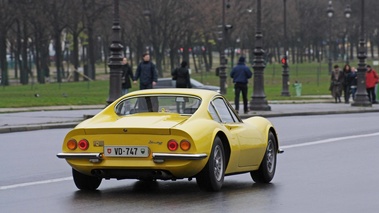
column 313, row 76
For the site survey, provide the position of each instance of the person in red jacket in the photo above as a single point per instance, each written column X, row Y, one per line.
column 371, row 81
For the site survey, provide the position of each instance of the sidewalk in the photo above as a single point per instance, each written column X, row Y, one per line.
column 36, row 118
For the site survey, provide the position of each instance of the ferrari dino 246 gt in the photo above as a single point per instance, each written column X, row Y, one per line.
column 170, row 134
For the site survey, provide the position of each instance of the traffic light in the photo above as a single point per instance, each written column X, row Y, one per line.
column 284, row 61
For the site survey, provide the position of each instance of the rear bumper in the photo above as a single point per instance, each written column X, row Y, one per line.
column 80, row 155
column 161, row 157
column 157, row 157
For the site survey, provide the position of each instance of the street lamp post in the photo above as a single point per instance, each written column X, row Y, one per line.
column 147, row 15
column 115, row 59
column 361, row 98
column 258, row 101
column 67, row 55
column 347, row 15
column 285, row 75
column 223, row 60
column 330, row 12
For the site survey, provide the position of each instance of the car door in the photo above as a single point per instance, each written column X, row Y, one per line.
column 246, row 138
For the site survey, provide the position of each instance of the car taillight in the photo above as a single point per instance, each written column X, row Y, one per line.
column 172, row 145
column 83, row 144
column 185, row 145
column 71, row 144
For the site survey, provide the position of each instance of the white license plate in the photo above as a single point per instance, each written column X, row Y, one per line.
column 126, row 151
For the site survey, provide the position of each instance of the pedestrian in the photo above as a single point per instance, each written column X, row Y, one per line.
column 347, row 82
column 127, row 74
column 336, row 83
column 240, row 74
column 354, row 82
column 182, row 76
column 146, row 73
column 371, row 81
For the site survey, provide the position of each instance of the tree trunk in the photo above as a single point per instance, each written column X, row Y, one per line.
column 75, row 55
column 24, row 78
column 58, row 55
column 91, row 52
column 3, row 60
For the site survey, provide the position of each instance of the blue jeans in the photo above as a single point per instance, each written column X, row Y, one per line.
column 353, row 91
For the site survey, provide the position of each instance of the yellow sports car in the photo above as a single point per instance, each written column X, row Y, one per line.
column 170, row 134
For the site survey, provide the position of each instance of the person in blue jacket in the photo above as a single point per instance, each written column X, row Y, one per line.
column 146, row 73
column 241, row 74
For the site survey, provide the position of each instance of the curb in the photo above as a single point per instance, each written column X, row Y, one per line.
column 50, row 108
column 287, row 114
column 12, row 129
column 24, row 128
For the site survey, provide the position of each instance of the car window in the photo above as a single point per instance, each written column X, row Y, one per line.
column 223, row 111
column 182, row 104
column 233, row 114
column 213, row 113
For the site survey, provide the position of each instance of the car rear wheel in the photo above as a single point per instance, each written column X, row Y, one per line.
column 211, row 177
column 85, row 182
column 266, row 170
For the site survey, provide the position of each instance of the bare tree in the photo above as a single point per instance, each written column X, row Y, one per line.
column 6, row 20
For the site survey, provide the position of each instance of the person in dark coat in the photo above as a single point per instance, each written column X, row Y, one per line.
column 354, row 82
column 240, row 74
column 336, row 83
column 183, row 80
column 348, row 77
column 146, row 73
column 127, row 74
column 182, row 76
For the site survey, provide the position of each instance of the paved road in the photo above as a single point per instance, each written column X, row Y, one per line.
column 321, row 170
column 35, row 118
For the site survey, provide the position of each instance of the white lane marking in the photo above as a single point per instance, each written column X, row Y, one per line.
column 35, row 183
column 330, row 140
column 282, row 147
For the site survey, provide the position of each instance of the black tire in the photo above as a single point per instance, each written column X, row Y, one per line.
column 85, row 182
column 266, row 170
column 211, row 177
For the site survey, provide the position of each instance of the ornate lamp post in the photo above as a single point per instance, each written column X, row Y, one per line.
column 285, row 75
column 259, row 101
column 147, row 14
column 361, row 98
column 67, row 55
column 347, row 15
column 330, row 12
column 223, row 60
column 115, row 59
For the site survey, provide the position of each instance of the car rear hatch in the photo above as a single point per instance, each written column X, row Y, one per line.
column 141, row 124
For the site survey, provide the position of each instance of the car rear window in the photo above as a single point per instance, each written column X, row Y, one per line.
column 182, row 104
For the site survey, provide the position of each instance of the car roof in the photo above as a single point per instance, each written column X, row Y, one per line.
column 202, row 93
column 170, row 80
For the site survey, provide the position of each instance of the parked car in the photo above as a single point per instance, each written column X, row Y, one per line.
column 169, row 83
column 170, row 134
